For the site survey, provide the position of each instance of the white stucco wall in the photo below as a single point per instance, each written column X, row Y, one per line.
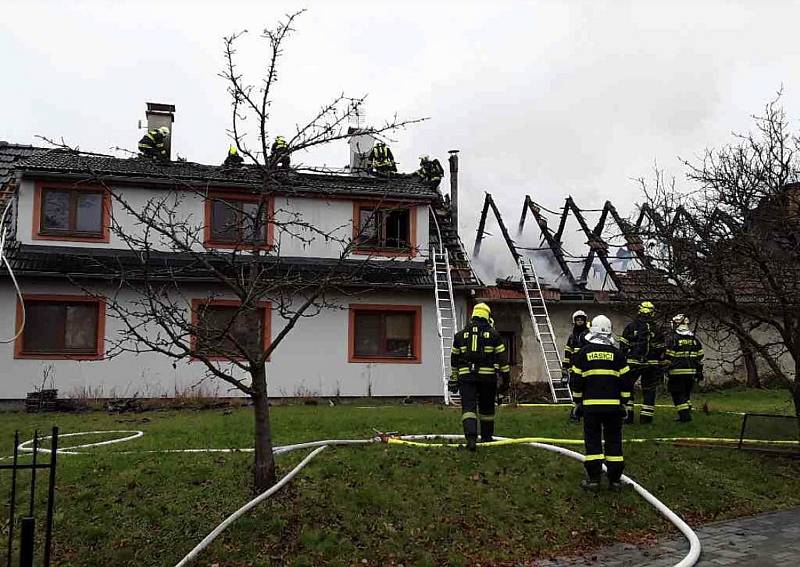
column 312, row 360
column 333, row 216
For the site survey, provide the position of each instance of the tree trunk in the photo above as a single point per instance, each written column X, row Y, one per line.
column 796, row 394
column 753, row 380
column 264, row 468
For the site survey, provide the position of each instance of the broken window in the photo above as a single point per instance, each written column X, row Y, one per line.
column 384, row 228
column 384, row 334
column 220, row 328
column 509, row 339
column 236, row 221
column 77, row 213
column 61, row 327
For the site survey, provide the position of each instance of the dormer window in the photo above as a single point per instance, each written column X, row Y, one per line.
column 67, row 212
column 385, row 229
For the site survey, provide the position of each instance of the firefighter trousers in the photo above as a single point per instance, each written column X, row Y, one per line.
column 599, row 426
column 651, row 376
column 680, row 387
column 477, row 404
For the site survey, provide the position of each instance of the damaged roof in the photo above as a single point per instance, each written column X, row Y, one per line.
column 87, row 166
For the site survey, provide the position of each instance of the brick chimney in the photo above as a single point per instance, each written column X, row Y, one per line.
column 158, row 115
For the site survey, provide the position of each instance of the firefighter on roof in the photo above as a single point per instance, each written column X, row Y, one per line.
column 280, row 150
column 381, row 160
column 430, row 170
column 233, row 159
column 642, row 342
column 154, row 144
column 575, row 342
column 685, row 357
column 478, row 356
column 601, row 390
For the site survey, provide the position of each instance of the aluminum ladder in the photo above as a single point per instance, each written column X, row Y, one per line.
column 446, row 317
column 543, row 328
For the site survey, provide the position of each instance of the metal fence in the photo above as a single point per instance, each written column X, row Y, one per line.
column 27, row 522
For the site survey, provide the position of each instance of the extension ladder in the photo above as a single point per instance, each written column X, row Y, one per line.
column 544, row 332
column 446, row 317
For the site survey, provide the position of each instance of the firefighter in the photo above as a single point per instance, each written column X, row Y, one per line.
column 280, row 149
column 575, row 342
column 233, row 159
column 642, row 342
column 478, row 356
column 430, row 170
column 601, row 390
column 381, row 160
column 154, row 144
column 685, row 357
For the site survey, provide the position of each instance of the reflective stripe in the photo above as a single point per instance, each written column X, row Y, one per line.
column 624, row 341
column 469, row 415
column 485, row 370
column 474, row 343
column 566, row 360
column 681, row 407
column 577, row 394
column 601, row 372
column 599, row 457
column 488, row 349
column 462, row 371
column 500, row 349
column 625, row 394
column 634, row 361
column 682, row 372
column 614, row 459
column 505, row 368
column 625, row 369
column 576, row 370
column 486, row 417
column 601, row 402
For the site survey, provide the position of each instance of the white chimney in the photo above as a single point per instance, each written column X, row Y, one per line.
column 361, row 145
column 158, row 115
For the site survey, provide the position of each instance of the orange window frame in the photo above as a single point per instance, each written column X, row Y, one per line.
column 208, row 233
column 378, row 251
column 99, row 354
column 37, row 234
column 416, row 342
column 266, row 336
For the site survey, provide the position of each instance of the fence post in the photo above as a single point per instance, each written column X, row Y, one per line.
column 26, row 541
column 51, row 497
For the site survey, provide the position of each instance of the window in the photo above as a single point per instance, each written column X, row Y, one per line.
column 61, row 327
column 385, row 229
column 64, row 212
column 233, row 221
column 510, row 340
column 385, row 333
column 221, row 324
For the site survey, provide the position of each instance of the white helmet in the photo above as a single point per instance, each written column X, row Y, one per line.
column 601, row 325
column 579, row 313
column 164, row 131
column 679, row 320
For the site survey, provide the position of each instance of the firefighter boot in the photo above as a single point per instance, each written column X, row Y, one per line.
column 590, row 484
column 472, row 443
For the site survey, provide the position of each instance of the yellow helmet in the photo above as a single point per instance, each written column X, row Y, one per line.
column 232, row 150
column 646, row 308
column 482, row 311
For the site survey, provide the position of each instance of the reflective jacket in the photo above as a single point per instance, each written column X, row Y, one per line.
column 642, row 342
column 153, row 144
column 431, row 170
column 575, row 342
column 599, row 378
column 684, row 354
column 381, row 158
column 478, row 353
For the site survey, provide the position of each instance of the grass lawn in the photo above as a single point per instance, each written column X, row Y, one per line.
column 388, row 504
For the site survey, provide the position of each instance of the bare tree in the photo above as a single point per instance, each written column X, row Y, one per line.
column 156, row 284
column 730, row 244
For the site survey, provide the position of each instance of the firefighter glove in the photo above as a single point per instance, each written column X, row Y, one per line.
column 452, row 387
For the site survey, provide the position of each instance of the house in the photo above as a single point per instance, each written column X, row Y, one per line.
column 69, row 239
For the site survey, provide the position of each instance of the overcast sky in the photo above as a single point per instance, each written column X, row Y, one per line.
column 547, row 98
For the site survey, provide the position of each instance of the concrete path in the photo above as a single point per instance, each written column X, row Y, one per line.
column 766, row 540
